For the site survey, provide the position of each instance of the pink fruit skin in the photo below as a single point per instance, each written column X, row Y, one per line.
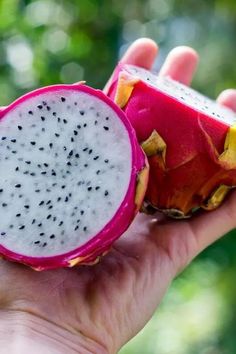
column 120, row 221
column 192, row 170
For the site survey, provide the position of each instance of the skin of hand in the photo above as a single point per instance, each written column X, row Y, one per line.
column 98, row 309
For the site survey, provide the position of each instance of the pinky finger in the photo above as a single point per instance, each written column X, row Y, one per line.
column 228, row 99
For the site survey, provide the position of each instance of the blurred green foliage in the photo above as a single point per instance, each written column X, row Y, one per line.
column 46, row 42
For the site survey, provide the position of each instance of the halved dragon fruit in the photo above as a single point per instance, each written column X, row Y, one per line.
column 72, row 176
column 189, row 139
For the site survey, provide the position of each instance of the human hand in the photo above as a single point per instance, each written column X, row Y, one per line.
column 98, row 309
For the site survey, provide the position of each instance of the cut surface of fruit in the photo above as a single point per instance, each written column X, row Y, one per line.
column 69, row 162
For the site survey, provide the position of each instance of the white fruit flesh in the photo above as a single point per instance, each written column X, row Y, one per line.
column 65, row 167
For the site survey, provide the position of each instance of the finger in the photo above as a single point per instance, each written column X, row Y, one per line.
column 180, row 64
column 142, row 53
column 210, row 226
column 228, row 99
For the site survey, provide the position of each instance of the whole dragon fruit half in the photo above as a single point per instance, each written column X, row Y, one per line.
column 189, row 139
column 72, row 176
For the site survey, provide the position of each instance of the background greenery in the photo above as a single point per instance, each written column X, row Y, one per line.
column 45, row 42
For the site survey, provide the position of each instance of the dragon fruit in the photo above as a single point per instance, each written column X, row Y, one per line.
column 189, row 139
column 72, row 176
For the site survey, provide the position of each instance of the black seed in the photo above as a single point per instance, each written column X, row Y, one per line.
column 85, row 165
column 1, row 190
column 85, row 149
column 36, row 242
column 11, row 226
column 98, row 171
column 20, row 127
column 76, row 228
column 58, row 119
column 41, row 203
column 48, row 108
column 75, row 103
column 50, row 207
column 78, row 221
column 96, row 157
column 72, row 140
column 40, row 224
column 14, row 152
column 30, row 112
column 54, row 184
column 37, row 190
column 106, row 193
column 81, row 112
column 4, row 138
column 57, row 135
column 44, row 244
column 77, row 156
column 44, row 103
column 63, row 99
column 71, row 153
column 107, row 118
column 90, row 188
column 18, row 215
column 61, row 223
column 43, row 173
column 63, row 187
column 33, row 221
column 22, row 227
column 3, row 233
column 45, row 164
column 48, row 202
column 53, row 173
column 85, row 125
column 49, row 216
column 85, row 228
column 90, row 151
column 28, row 162
column 18, row 185
column 43, row 118
column 96, row 122
column 106, row 161
column 54, row 218
column 64, row 121
column 26, row 206
column 17, row 169
column 41, row 148
column 106, row 128
column 32, row 174
column 97, row 188
column 13, row 140
column 75, row 132
column 82, row 212
column 26, row 172
column 41, row 234
column 32, row 142
column 20, row 195
column 54, row 114
column 66, row 199
column 79, row 126
column 58, row 199
column 51, row 145
column 40, row 106
column 69, row 163
column 52, row 236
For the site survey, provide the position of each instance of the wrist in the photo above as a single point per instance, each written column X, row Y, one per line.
column 22, row 332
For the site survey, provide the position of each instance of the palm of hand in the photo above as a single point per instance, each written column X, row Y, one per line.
column 110, row 302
